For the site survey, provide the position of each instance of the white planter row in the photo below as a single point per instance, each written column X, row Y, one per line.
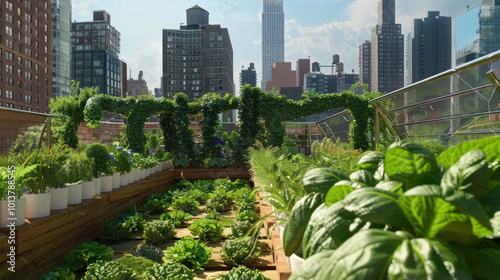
column 294, row 261
column 39, row 205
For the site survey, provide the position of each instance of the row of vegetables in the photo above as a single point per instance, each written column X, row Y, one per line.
column 157, row 223
column 404, row 214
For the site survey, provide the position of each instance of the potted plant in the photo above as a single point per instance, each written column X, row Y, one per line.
column 122, row 166
column 135, row 168
column 130, row 175
column 75, row 170
column 102, row 170
column 59, row 191
column 116, row 174
column 139, row 161
column 11, row 195
column 87, row 184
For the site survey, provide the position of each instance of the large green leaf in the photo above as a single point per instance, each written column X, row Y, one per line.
column 337, row 193
column 297, row 221
column 457, row 218
column 469, row 174
column 310, row 268
column 377, row 254
column 322, row 179
column 495, row 224
column 316, row 219
column 491, row 199
column 404, row 161
column 393, row 186
column 363, row 177
column 483, row 263
column 490, row 145
column 376, row 206
column 370, row 161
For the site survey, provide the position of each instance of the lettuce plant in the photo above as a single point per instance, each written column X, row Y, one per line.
column 176, row 216
column 189, row 251
column 169, row 271
column 240, row 251
column 86, row 254
column 187, row 204
column 108, row 270
column 148, row 251
column 159, row 232
column 207, row 229
column 243, row 272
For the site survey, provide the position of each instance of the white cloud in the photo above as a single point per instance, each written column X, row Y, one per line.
column 81, row 7
column 149, row 61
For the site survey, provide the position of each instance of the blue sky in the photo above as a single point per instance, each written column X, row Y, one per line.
column 316, row 29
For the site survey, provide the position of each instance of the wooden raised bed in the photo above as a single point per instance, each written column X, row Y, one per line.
column 42, row 243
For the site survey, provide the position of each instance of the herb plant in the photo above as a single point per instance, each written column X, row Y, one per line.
column 59, row 273
column 186, row 204
column 86, row 254
column 207, row 229
column 101, row 270
column 148, row 251
column 235, row 252
column 155, row 206
column 246, row 215
column 176, row 216
column 159, row 232
column 169, row 271
column 136, row 264
column 243, row 272
column 189, row 251
column 199, row 196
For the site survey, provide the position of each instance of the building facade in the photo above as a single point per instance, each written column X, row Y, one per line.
column 95, row 55
column 249, row 76
column 197, row 58
column 61, row 47
column 387, row 50
column 477, row 31
column 25, row 55
column 137, row 87
column 365, row 63
column 431, row 46
column 273, row 37
column 282, row 75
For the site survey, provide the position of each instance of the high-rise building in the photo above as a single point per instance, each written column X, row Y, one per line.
column 408, row 60
column 95, row 49
column 282, row 75
column 273, row 37
column 365, row 63
column 61, row 47
column 387, row 50
column 477, row 31
column 248, row 76
column 431, row 46
column 137, row 87
column 197, row 58
column 303, row 67
column 25, row 55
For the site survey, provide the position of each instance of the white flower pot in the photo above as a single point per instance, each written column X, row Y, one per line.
column 75, row 193
column 87, row 189
column 116, row 180
column 37, row 205
column 158, row 168
column 58, row 198
column 97, row 186
column 137, row 174
column 281, row 230
column 130, row 176
column 19, row 206
column 106, row 183
column 295, row 262
column 124, row 179
column 143, row 173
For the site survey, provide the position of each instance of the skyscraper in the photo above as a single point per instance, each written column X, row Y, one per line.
column 25, row 55
column 61, row 47
column 477, row 31
column 365, row 63
column 95, row 49
column 248, row 76
column 197, row 57
column 273, row 37
column 387, row 50
column 431, row 46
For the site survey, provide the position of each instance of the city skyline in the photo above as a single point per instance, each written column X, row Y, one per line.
column 317, row 31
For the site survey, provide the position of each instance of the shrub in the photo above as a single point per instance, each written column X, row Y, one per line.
column 155, row 206
column 169, row 271
column 240, row 251
column 137, row 264
column 189, row 251
column 220, row 198
column 159, row 232
column 243, row 272
column 102, row 270
column 86, row 254
column 148, row 251
column 176, row 216
column 207, row 229
column 59, row 273
column 114, row 231
column 100, row 154
column 199, row 196
column 186, row 204
column 240, row 228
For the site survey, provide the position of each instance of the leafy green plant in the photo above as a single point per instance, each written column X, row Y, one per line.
column 99, row 153
column 189, row 251
column 186, row 204
column 155, row 206
column 86, row 254
column 235, row 252
column 59, row 273
column 169, row 271
column 243, row 272
column 176, row 216
column 101, row 270
column 49, row 169
column 134, row 223
column 220, row 200
column 159, row 232
column 199, row 196
column 240, row 228
column 246, row 215
column 213, row 215
column 207, row 229
column 137, row 264
column 115, row 231
column 148, row 251
column 153, row 142
column 122, row 162
column 14, row 190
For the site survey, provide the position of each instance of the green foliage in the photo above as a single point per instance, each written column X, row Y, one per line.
column 155, row 206
column 169, row 271
column 185, row 155
column 189, row 251
column 19, row 174
column 235, row 252
column 99, row 153
column 49, row 169
column 488, row 145
column 243, row 272
column 148, row 251
column 30, row 140
column 122, row 162
column 59, row 273
column 102, row 270
column 207, row 229
column 220, row 200
column 177, row 217
column 153, row 142
column 87, row 253
column 199, row 196
column 322, row 179
column 138, row 264
column 115, row 231
column 159, row 232
column 246, row 215
column 187, row 204
column 240, row 228
column 134, row 223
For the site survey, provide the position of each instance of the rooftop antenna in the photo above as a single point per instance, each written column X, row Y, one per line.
column 130, row 74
